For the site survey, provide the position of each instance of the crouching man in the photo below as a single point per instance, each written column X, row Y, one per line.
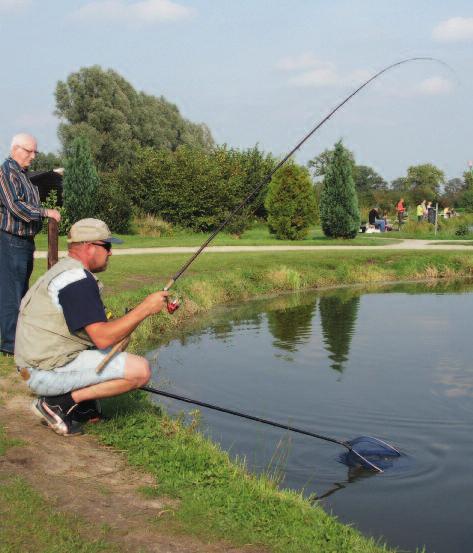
column 63, row 334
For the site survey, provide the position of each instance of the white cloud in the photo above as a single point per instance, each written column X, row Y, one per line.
column 455, row 29
column 142, row 12
column 313, row 72
column 324, row 76
column 13, row 6
column 434, row 86
column 299, row 62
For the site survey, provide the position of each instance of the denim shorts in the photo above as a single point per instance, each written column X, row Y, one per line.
column 77, row 374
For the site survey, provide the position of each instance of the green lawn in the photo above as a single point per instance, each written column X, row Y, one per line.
column 256, row 236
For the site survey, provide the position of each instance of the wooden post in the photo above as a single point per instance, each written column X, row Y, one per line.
column 53, row 252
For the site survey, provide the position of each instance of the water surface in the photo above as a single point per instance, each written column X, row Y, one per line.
column 393, row 363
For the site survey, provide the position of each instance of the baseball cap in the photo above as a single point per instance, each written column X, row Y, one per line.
column 90, row 230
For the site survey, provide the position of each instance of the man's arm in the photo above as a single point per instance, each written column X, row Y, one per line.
column 106, row 334
column 21, row 209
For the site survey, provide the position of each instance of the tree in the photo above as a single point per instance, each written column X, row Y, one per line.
column 46, row 162
column 198, row 189
column 339, row 213
column 424, row 181
column 116, row 119
column 319, row 164
column 291, row 203
column 367, row 182
column 453, row 191
column 399, row 184
column 467, row 198
column 80, row 182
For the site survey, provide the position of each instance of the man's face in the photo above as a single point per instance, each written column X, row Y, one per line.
column 99, row 254
column 25, row 153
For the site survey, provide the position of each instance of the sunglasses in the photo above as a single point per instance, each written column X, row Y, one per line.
column 105, row 245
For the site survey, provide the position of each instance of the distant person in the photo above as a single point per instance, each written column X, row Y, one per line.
column 387, row 226
column 421, row 209
column 400, row 210
column 21, row 217
column 431, row 213
column 446, row 212
column 375, row 219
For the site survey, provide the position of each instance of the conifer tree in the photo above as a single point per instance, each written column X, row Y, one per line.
column 80, row 182
column 339, row 213
column 291, row 203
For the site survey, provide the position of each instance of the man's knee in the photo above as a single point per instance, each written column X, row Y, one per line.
column 137, row 369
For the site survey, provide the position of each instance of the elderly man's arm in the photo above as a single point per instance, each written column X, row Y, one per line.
column 106, row 334
column 18, row 206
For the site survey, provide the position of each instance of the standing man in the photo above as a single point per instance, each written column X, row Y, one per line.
column 20, row 220
column 63, row 334
column 400, row 209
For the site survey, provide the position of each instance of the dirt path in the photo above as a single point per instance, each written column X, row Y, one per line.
column 80, row 476
column 407, row 244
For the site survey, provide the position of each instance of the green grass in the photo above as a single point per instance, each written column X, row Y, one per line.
column 28, row 523
column 256, row 236
column 6, row 443
column 219, row 499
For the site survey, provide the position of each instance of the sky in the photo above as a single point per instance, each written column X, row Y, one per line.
column 260, row 72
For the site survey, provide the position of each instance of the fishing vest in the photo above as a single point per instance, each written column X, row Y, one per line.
column 43, row 340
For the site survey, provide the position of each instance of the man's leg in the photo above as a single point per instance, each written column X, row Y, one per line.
column 60, row 407
column 16, row 265
column 137, row 374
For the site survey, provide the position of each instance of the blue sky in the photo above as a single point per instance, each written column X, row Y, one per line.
column 259, row 71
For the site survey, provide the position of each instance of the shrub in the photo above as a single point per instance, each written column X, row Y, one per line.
column 114, row 203
column 196, row 189
column 80, row 182
column 291, row 203
column 339, row 214
column 145, row 224
column 51, row 203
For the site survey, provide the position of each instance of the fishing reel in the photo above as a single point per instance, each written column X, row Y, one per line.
column 172, row 305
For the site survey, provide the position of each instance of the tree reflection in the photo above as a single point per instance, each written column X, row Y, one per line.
column 291, row 325
column 338, row 314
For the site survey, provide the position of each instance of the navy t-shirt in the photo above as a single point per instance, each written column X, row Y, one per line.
column 81, row 303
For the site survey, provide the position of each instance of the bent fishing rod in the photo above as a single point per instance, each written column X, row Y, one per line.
column 268, row 178
column 173, row 305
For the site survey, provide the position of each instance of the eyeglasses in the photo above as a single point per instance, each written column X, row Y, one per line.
column 29, row 151
column 105, row 245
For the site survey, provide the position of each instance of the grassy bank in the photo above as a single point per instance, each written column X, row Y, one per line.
column 216, row 279
column 216, row 496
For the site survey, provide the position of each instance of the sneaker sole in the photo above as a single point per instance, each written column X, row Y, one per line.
column 59, row 427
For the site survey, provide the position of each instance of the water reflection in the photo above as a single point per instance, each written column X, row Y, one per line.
column 259, row 358
column 292, row 326
column 338, row 314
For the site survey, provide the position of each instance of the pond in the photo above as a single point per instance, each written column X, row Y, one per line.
column 391, row 362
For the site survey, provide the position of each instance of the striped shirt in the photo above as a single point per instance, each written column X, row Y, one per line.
column 20, row 205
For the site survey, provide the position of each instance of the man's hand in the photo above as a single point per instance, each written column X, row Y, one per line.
column 105, row 334
column 53, row 214
column 155, row 302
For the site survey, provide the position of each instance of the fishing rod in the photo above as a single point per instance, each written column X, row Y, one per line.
column 378, row 448
column 174, row 304
column 268, row 178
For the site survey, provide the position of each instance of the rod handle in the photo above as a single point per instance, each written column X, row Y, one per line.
column 118, row 347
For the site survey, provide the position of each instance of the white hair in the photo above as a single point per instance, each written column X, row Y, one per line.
column 20, row 139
